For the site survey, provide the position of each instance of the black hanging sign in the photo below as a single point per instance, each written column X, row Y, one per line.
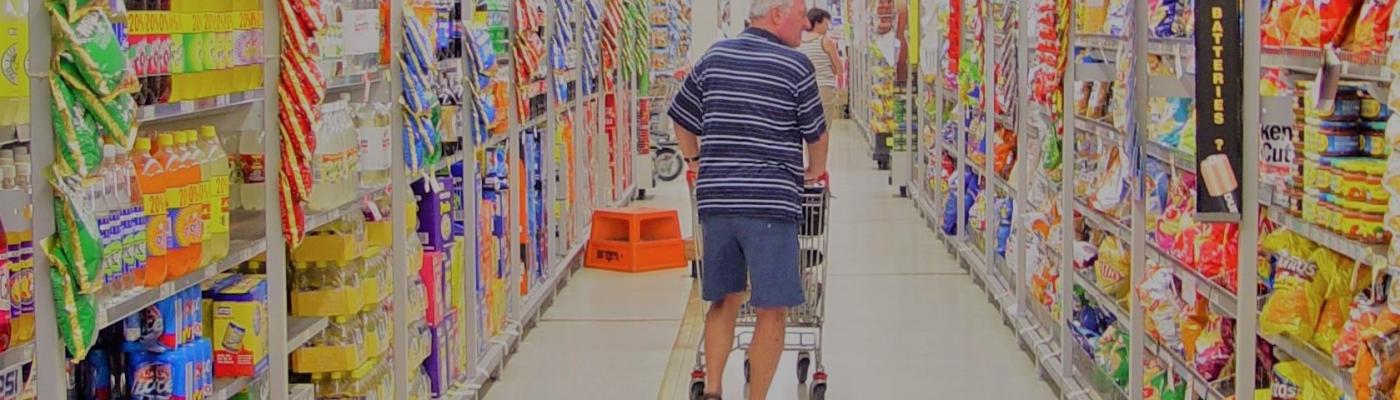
column 1219, row 92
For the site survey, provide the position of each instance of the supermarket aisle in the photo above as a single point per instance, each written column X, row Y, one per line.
column 904, row 321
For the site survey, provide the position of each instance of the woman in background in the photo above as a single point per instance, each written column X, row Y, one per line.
column 822, row 51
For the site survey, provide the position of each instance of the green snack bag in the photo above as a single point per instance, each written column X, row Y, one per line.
column 75, row 312
column 116, row 116
column 99, row 56
column 75, row 131
column 76, row 230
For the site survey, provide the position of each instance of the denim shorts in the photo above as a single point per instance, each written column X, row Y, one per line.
column 760, row 252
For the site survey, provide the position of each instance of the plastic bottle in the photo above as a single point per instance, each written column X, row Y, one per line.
column 154, row 182
column 196, row 199
column 216, row 174
column 189, row 229
column 103, row 192
column 133, row 230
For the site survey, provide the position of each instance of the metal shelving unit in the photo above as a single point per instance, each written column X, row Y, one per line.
column 257, row 235
column 1044, row 336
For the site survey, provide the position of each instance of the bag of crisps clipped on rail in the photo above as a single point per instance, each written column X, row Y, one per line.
column 1366, row 310
column 1369, row 30
column 1111, row 270
column 1162, row 306
column 1295, row 380
column 1340, row 274
column 1299, row 290
column 1378, row 363
column 1215, row 349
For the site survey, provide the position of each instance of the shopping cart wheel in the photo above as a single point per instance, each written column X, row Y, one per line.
column 697, row 390
column 818, row 391
column 804, row 364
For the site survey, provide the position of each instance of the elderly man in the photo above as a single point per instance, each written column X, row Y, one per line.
column 742, row 118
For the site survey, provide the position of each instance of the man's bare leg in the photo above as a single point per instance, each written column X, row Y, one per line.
column 766, row 350
column 719, row 339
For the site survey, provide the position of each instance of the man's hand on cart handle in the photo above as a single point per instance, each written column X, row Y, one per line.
column 814, row 177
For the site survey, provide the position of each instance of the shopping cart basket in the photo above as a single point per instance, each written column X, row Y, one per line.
column 804, row 322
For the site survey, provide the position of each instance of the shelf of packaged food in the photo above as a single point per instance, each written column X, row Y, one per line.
column 302, row 391
column 117, row 308
column 16, row 357
column 1103, row 222
column 1222, row 300
column 450, row 64
column 499, row 348
column 495, row 140
column 1006, row 121
column 1103, row 300
column 1101, row 128
column 353, row 207
column 533, row 122
column 1156, row 45
column 1100, row 386
column 300, row 330
column 1199, row 386
column 226, row 388
column 357, row 79
column 1170, row 155
column 1370, row 254
column 157, row 112
column 1043, row 350
column 1354, row 66
column 1315, row 359
column 998, row 183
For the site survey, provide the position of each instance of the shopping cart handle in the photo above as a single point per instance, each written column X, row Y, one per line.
column 822, row 182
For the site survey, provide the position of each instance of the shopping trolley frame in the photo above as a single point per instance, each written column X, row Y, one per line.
column 804, row 322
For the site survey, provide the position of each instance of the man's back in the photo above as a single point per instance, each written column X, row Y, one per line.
column 752, row 101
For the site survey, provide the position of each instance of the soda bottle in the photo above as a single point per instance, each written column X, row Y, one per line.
column 152, row 180
column 216, row 174
column 187, row 229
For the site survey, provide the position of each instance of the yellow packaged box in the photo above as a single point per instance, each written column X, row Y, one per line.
column 240, row 327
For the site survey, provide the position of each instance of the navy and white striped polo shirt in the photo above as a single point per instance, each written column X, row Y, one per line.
column 753, row 101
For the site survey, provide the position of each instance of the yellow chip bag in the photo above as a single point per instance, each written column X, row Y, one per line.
column 1299, row 291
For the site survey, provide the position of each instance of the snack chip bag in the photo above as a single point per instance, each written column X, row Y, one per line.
column 1320, row 22
column 1299, row 291
column 1278, row 19
column 87, row 34
column 1378, row 364
column 74, row 311
column 1111, row 270
column 1369, row 32
column 1366, row 310
column 1213, row 351
column 1295, row 380
column 1162, row 306
column 75, row 230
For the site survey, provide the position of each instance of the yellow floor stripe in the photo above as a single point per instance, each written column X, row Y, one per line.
column 675, row 385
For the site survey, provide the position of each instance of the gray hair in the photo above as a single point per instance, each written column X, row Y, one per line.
column 761, row 8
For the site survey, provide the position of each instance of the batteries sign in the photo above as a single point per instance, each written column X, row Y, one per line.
column 1219, row 92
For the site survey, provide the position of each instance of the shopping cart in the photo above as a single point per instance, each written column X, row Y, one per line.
column 804, row 324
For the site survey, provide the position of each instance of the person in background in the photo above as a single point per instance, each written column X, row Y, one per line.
column 743, row 117
column 821, row 49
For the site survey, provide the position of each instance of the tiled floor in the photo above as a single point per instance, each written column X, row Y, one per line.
column 903, row 321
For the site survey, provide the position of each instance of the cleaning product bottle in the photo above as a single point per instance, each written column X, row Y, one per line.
column 154, row 182
column 216, row 173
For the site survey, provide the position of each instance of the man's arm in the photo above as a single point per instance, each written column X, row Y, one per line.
column 816, row 158
column 690, row 146
column 829, row 45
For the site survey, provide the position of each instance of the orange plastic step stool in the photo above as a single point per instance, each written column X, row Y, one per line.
column 635, row 239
